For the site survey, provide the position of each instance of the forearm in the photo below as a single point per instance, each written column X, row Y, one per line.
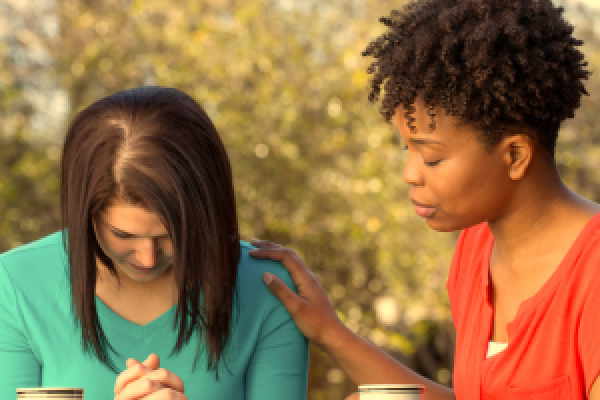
column 364, row 363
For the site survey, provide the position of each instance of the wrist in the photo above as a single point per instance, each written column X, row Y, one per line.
column 336, row 337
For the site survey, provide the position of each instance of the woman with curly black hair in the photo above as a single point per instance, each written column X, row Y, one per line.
column 478, row 90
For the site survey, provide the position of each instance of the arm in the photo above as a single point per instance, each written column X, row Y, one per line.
column 278, row 367
column 18, row 365
column 315, row 317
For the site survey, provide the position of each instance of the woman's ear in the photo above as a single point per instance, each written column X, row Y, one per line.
column 518, row 153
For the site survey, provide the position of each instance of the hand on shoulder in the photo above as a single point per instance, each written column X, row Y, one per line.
column 310, row 308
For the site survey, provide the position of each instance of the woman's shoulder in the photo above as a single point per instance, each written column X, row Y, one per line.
column 251, row 270
column 36, row 261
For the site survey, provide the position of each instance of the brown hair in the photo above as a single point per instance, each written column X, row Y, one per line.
column 155, row 147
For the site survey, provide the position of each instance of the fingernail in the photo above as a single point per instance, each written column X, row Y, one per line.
column 268, row 278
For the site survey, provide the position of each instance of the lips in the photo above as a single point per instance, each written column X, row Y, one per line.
column 423, row 210
column 142, row 269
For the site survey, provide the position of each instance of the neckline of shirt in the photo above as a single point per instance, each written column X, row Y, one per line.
column 548, row 288
column 162, row 322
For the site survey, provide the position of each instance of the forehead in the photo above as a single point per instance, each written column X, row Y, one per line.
column 132, row 218
column 446, row 128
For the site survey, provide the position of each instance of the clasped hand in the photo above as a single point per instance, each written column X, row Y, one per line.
column 149, row 382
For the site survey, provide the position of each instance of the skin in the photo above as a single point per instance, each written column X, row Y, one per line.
column 456, row 181
column 131, row 235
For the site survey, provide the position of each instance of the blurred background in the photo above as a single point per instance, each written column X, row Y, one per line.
column 315, row 167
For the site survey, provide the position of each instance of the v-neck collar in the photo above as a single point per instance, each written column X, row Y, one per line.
column 159, row 324
column 549, row 287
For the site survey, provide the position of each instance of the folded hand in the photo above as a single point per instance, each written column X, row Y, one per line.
column 149, row 382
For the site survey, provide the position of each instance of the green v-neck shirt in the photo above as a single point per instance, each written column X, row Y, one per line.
column 40, row 345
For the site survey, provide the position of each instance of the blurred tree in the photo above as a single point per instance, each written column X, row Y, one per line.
column 315, row 168
column 28, row 170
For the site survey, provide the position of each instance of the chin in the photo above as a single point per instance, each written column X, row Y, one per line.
column 447, row 226
column 142, row 278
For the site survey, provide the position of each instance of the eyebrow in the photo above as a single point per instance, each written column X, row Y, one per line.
column 115, row 230
column 422, row 141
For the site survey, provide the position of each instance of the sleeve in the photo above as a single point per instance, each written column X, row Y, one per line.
column 589, row 326
column 18, row 365
column 279, row 365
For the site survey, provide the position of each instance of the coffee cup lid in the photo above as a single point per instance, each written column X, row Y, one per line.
column 396, row 387
column 50, row 390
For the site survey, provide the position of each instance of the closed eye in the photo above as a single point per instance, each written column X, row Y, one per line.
column 122, row 235
column 432, row 163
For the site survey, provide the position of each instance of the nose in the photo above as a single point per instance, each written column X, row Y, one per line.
column 148, row 253
column 411, row 173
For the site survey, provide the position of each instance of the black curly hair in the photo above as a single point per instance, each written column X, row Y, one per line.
column 492, row 63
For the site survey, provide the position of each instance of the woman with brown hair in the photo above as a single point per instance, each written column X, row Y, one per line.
column 149, row 266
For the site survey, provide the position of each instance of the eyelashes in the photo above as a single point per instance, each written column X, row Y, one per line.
column 121, row 235
column 432, row 163
column 428, row 164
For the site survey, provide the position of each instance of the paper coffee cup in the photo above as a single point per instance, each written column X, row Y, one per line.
column 391, row 392
column 53, row 393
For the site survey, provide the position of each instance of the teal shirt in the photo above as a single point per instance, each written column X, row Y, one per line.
column 40, row 345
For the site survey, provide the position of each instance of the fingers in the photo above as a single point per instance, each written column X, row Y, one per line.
column 166, row 393
column 353, row 396
column 166, row 378
column 150, row 382
column 134, row 371
column 138, row 389
column 149, row 369
column 290, row 300
column 152, row 361
column 264, row 243
column 298, row 270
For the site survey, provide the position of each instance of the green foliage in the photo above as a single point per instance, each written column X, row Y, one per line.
column 315, row 168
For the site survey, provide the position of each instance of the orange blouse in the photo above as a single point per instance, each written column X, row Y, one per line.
column 553, row 347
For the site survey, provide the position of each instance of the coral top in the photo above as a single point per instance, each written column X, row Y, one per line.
column 553, row 347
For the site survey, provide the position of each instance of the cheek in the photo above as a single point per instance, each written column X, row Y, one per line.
column 114, row 245
column 461, row 182
column 118, row 248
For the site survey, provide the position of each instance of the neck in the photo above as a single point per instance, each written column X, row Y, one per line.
column 528, row 229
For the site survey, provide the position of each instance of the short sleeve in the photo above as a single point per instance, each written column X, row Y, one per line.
column 279, row 365
column 18, row 365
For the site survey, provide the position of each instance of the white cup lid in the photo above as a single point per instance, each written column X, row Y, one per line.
column 49, row 390
column 395, row 387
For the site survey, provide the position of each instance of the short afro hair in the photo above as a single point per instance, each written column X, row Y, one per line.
column 492, row 63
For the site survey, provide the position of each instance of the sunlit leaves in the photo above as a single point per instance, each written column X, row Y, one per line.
column 315, row 168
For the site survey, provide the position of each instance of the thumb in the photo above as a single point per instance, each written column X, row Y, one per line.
column 152, row 362
column 290, row 300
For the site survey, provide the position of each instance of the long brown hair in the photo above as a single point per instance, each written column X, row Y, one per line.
column 155, row 147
